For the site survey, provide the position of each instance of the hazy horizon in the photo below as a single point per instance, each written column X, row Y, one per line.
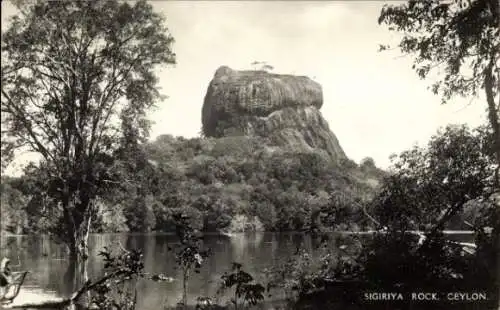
column 373, row 101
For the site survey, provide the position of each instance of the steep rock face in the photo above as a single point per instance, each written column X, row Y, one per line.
column 283, row 108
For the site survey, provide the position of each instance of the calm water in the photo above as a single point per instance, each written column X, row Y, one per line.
column 49, row 266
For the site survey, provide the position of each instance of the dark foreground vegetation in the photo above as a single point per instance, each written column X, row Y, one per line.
column 414, row 195
column 75, row 89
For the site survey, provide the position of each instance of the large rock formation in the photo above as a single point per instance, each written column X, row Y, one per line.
column 282, row 108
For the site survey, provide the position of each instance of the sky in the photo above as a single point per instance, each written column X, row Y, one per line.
column 374, row 103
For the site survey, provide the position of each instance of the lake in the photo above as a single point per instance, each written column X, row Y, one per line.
column 48, row 263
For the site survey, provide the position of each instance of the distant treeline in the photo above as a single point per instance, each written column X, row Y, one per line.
column 230, row 184
column 241, row 184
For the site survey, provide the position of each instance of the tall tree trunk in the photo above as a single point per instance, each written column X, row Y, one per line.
column 79, row 263
column 78, row 218
column 70, row 278
column 493, row 116
column 185, row 279
column 78, row 243
column 82, row 237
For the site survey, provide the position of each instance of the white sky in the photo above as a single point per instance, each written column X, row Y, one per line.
column 374, row 102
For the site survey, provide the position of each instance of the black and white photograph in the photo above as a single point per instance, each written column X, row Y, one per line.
column 250, row 155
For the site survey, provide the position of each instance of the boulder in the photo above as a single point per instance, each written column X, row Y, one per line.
column 283, row 108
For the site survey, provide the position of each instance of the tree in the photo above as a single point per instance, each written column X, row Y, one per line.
column 190, row 255
column 13, row 218
column 436, row 181
column 461, row 40
column 428, row 188
column 367, row 162
column 77, row 80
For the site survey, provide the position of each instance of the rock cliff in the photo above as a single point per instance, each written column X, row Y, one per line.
column 282, row 108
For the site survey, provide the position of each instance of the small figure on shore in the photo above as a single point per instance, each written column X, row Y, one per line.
column 5, row 277
column 5, row 272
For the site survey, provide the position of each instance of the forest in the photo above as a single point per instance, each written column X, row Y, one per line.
column 229, row 184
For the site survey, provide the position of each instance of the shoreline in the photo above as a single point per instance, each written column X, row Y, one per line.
column 233, row 234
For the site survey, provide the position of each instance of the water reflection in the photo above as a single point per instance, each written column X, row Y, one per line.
column 51, row 271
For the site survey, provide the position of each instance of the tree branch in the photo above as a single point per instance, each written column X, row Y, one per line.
column 21, row 115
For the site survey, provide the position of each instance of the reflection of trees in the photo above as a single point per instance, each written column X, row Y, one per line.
column 245, row 244
column 45, row 262
column 149, row 245
column 158, row 260
column 239, row 248
column 9, row 246
column 251, row 249
column 69, row 279
column 274, row 246
column 258, row 237
column 246, row 248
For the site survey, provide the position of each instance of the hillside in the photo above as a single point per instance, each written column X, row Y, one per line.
column 241, row 177
column 229, row 183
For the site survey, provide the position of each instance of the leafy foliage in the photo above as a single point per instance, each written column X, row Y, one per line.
column 434, row 182
column 307, row 273
column 426, row 190
column 429, row 188
column 116, row 289
column 13, row 218
column 251, row 293
column 451, row 36
column 235, row 176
